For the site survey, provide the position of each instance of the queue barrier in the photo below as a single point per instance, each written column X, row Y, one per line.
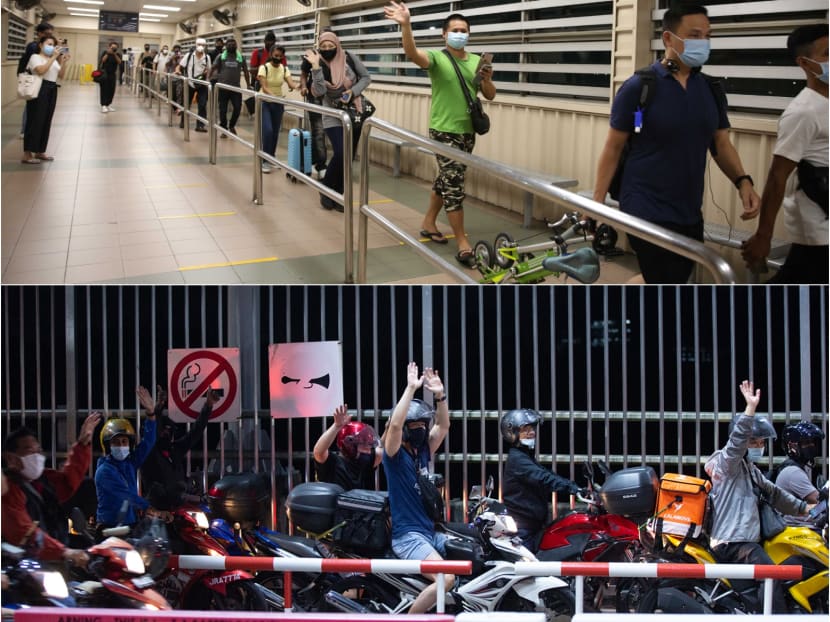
column 149, row 87
column 768, row 573
column 54, row 614
column 323, row 565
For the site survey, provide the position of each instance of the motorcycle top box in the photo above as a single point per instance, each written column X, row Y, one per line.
column 630, row 492
column 241, row 497
column 311, row 506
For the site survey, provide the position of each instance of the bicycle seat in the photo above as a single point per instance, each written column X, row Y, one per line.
column 582, row 265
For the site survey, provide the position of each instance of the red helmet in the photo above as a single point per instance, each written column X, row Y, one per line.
column 353, row 435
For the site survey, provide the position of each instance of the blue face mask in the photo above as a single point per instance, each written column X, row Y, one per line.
column 695, row 51
column 755, row 454
column 457, row 40
column 120, row 453
column 48, row 50
column 823, row 64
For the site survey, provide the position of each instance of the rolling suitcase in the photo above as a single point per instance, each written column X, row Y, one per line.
column 299, row 150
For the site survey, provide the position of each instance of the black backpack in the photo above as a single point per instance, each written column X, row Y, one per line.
column 648, row 81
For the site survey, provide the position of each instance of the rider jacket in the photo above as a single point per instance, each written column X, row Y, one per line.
column 31, row 514
column 527, row 487
column 734, row 502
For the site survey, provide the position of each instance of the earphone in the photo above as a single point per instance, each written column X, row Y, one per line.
column 672, row 66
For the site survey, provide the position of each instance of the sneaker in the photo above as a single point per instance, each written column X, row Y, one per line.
column 104, row 109
column 201, row 128
column 223, row 135
column 112, row 108
column 266, row 168
column 22, row 135
column 233, row 131
column 321, row 172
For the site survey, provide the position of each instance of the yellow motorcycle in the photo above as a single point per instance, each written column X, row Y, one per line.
column 807, row 547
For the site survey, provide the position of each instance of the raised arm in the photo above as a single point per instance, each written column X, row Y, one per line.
column 433, row 383
column 398, row 12
column 321, row 447
column 394, row 431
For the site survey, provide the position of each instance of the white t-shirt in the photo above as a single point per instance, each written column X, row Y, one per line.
column 160, row 61
column 196, row 68
column 803, row 135
column 51, row 75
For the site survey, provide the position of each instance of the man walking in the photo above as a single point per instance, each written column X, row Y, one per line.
column 196, row 64
column 663, row 178
column 449, row 120
column 801, row 147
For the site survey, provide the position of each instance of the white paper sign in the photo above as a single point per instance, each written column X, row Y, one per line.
column 306, row 379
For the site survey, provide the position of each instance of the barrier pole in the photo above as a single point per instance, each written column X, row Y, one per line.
column 288, row 605
column 768, row 587
column 171, row 89
column 213, row 92
column 186, row 110
column 257, row 149
column 348, row 211
column 579, row 594
column 441, row 583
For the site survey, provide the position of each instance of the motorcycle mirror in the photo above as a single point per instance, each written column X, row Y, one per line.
column 588, row 470
column 78, row 521
column 604, row 468
column 490, row 485
column 821, row 482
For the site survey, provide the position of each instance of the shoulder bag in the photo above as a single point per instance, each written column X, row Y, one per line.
column 28, row 85
column 481, row 122
column 431, row 497
column 772, row 523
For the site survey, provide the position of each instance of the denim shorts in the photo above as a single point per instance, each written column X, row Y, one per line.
column 418, row 546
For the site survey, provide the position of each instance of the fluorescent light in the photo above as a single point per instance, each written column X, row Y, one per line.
column 148, row 19
column 86, row 1
column 159, row 7
column 84, row 15
column 82, row 10
column 152, row 14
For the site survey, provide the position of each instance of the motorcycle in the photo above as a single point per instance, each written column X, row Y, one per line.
column 28, row 583
column 492, row 546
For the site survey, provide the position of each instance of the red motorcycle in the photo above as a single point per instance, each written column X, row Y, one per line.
column 209, row 589
column 607, row 531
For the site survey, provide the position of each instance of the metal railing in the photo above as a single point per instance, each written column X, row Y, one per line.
column 152, row 89
column 692, row 249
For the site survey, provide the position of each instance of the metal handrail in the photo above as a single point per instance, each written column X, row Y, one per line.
column 692, row 249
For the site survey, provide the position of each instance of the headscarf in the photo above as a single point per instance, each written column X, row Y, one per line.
column 337, row 66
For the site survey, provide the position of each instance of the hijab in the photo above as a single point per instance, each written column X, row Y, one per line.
column 337, row 69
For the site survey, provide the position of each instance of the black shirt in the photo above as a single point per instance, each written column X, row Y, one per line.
column 345, row 473
column 110, row 64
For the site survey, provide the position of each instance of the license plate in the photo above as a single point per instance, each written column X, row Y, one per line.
column 143, row 582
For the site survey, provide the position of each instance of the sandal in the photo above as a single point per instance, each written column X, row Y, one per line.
column 435, row 236
column 44, row 157
column 466, row 258
column 31, row 160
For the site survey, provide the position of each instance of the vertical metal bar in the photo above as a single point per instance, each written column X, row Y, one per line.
column 715, row 367
column 170, row 97
column 589, row 402
column 52, row 370
column 623, row 367
column 306, row 430
column 204, row 344
column 21, row 358
column 88, row 357
column 579, row 595
column 821, row 293
column 499, row 353
column 769, row 387
column 768, row 588
column 7, row 356
column 427, row 333
column 348, row 203
column 121, row 360
column 787, row 392
column 257, row 190
column 375, row 354
column 37, row 363
column 70, row 358
column 750, row 325
column 273, row 426
column 678, row 340
column 535, row 329
column 661, row 379
column 290, row 422
column 606, row 373
column 571, row 382
column 213, row 93
column 476, row 299
column 641, row 333
column 553, row 366
column 733, row 374
column 154, row 379
column 696, row 306
column 186, row 110
column 806, row 353
column 105, row 355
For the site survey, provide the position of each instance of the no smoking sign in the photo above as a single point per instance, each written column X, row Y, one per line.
column 193, row 372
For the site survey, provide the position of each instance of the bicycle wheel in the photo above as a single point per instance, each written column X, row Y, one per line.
column 503, row 240
column 484, row 254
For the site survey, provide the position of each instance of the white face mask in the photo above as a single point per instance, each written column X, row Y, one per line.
column 530, row 443
column 32, row 466
column 120, row 453
column 200, row 48
column 755, row 454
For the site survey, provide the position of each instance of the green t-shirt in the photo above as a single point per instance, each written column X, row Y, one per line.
column 448, row 111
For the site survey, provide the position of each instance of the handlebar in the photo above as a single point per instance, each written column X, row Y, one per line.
column 120, row 531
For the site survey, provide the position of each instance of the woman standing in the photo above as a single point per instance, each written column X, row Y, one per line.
column 110, row 63
column 48, row 63
column 339, row 78
column 271, row 77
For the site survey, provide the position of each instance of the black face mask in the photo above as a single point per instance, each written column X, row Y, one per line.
column 147, row 49
column 231, row 49
column 276, row 61
column 328, row 55
column 417, row 438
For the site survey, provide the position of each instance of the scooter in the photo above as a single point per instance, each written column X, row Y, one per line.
column 28, row 583
column 493, row 586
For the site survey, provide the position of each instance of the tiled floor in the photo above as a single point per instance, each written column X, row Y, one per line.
column 127, row 200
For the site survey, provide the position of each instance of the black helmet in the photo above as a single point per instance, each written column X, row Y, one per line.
column 761, row 427
column 419, row 410
column 794, row 435
column 513, row 420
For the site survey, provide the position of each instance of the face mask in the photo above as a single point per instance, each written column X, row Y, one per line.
column 457, row 40
column 530, row 443
column 200, row 48
column 231, row 49
column 120, row 453
column 417, row 437
column 328, row 55
column 755, row 454
column 48, row 50
column 823, row 75
column 164, row 51
column 276, row 61
column 364, row 460
column 695, row 51
column 32, row 466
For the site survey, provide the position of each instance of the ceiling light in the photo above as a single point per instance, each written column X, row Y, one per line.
column 84, row 14
column 85, row 1
column 83, row 10
column 148, row 19
column 159, row 7
column 152, row 14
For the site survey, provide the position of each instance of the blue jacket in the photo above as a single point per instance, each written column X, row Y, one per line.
column 116, row 482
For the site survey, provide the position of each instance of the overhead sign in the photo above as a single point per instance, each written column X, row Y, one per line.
column 305, row 379
column 118, row 21
column 193, row 372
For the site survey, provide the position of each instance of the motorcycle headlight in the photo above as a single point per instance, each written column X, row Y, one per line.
column 133, row 561
column 54, row 585
column 201, row 519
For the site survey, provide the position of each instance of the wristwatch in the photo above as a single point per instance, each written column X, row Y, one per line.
column 438, row 400
column 738, row 181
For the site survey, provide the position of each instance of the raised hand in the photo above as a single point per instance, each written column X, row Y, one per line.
column 432, row 381
column 313, row 57
column 161, row 396
column 145, row 398
column 341, row 416
column 413, row 380
column 398, row 12
column 751, row 395
column 88, row 427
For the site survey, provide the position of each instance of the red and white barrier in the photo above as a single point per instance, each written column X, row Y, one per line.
column 580, row 570
column 54, row 614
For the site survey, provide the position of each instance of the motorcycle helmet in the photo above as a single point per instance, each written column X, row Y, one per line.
column 113, row 428
column 761, row 427
column 803, row 432
column 513, row 420
column 353, row 435
column 419, row 410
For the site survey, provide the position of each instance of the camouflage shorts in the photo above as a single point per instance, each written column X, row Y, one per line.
column 449, row 184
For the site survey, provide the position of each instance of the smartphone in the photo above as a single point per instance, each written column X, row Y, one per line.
column 485, row 62
column 66, row 50
column 345, row 97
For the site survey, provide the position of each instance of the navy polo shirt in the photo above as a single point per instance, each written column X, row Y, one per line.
column 666, row 165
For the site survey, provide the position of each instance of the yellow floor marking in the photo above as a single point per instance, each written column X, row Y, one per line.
column 227, row 264
column 197, row 215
